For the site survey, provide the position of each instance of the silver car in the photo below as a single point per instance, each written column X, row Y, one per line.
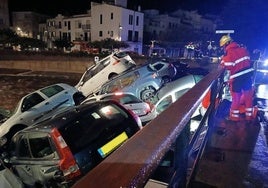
column 141, row 81
column 128, row 100
column 37, row 104
column 169, row 93
column 166, row 70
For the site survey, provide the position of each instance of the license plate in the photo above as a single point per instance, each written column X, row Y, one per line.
column 112, row 145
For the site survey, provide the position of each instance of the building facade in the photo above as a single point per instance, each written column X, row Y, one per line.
column 102, row 21
column 4, row 14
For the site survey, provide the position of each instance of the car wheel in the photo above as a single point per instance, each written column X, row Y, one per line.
column 147, row 93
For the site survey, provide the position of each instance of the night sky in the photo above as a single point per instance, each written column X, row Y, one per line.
column 71, row 7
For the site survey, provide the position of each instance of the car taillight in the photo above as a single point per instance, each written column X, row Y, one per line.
column 115, row 62
column 67, row 164
column 136, row 117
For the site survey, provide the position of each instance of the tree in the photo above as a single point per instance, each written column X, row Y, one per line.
column 108, row 44
column 8, row 37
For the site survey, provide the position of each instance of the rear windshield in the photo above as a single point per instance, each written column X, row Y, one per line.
column 124, row 99
column 97, row 126
column 52, row 90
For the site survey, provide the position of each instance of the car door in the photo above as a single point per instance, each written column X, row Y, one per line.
column 33, row 106
column 35, row 158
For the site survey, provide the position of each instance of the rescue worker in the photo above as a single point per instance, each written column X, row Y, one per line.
column 237, row 61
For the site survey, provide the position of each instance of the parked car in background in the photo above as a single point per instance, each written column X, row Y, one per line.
column 35, row 105
column 103, row 70
column 143, row 109
column 62, row 149
column 141, row 81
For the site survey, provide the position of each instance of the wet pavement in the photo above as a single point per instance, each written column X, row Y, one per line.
column 14, row 84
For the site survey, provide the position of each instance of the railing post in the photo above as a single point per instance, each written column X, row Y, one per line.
column 181, row 159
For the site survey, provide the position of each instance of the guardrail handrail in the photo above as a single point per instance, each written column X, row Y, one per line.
column 132, row 164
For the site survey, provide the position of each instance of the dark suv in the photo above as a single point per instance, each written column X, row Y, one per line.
column 63, row 148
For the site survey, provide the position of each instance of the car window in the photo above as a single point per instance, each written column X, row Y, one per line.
column 53, row 90
column 158, row 66
column 178, row 94
column 30, row 101
column 20, row 147
column 40, row 146
column 197, row 78
column 98, row 124
column 164, row 104
column 124, row 99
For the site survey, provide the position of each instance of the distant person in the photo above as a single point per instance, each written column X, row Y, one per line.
column 237, row 61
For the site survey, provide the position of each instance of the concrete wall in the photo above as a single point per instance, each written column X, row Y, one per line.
column 72, row 66
column 43, row 65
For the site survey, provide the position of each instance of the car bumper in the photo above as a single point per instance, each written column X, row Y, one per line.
column 147, row 118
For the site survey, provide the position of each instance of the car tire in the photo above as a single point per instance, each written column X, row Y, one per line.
column 147, row 93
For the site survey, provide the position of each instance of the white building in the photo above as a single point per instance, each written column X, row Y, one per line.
column 102, row 21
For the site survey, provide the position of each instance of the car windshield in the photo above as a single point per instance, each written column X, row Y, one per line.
column 124, row 98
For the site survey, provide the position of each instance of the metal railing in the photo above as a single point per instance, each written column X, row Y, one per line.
column 135, row 162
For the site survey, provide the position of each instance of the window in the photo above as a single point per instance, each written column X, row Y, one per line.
column 136, row 36
column 69, row 25
column 101, row 19
column 130, row 20
column 40, row 147
column 137, row 20
column 59, row 25
column 166, row 102
column 129, row 35
column 100, row 33
column 112, row 16
column 53, row 90
column 30, row 101
column 23, row 147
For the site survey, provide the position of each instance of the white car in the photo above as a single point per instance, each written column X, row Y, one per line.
column 143, row 109
column 37, row 104
column 104, row 70
column 172, row 91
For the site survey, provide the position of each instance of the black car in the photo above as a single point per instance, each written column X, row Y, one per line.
column 63, row 148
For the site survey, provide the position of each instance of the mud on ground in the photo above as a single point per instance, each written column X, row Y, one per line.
column 14, row 84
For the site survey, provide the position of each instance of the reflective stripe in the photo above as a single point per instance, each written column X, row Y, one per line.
column 228, row 63
column 236, row 61
column 249, row 109
column 241, row 59
column 235, row 111
column 249, row 113
column 241, row 73
column 235, row 115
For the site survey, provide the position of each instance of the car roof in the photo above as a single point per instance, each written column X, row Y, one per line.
column 182, row 83
column 66, row 114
